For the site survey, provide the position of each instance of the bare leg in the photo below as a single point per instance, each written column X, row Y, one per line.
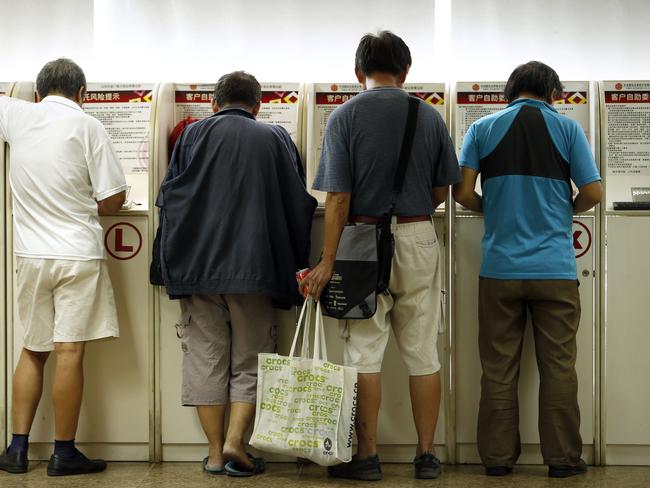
column 212, row 419
column 425, row 402
column 27, row 388
column 241, row 416
column 368, row 402
column 68, row 388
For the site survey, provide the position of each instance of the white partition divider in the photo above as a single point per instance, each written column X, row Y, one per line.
column 115, row 421
column 473, row 100
column 5, row 90
column 23, row 91
column 396, row 436
column 180, row 437
column 625, row 153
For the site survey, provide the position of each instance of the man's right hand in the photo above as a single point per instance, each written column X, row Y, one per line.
column 317, row 279
column 589, row 196
column 112, row 204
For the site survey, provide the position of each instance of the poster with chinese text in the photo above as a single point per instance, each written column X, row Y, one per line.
column 125, row 111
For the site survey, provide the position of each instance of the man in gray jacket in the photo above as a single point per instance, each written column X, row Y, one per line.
column 235, row 227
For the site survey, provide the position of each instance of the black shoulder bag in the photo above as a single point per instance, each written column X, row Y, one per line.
column 365, row 253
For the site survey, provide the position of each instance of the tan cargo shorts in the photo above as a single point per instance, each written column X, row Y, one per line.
column 412, row 308
column 221, row 336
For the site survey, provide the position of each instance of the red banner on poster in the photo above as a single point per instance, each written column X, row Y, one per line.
column 627, row 97
column 279, row 97
column 117, row 96
column 480, row 98
column 333, row 98
column 193, row 96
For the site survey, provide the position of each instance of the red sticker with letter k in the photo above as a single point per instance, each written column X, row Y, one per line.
column 581, row 239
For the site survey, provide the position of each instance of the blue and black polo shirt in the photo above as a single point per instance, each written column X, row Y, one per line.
column 527, row 155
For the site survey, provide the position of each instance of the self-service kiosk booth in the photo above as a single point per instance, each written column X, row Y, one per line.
column 625, row 152
column 473, row 100
column 115, row 422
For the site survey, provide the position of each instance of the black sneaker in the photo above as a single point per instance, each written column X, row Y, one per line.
column 77, row 464
column 427, row 466
column 498, row 470
column 16, row 462
column 367, row 469
column 565, row 470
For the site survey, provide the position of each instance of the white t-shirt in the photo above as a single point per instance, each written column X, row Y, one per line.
column 62, row 163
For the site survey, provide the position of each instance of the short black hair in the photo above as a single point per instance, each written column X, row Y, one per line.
column 383, row 52
column 62, row 76
column 237, row 87
column 535, row 78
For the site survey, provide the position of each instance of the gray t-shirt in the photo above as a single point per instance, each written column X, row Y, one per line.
column 361, row 149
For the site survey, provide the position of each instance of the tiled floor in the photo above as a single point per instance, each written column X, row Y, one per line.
column 189, row 475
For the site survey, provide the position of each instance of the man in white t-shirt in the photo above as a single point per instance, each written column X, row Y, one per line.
column 64, row 174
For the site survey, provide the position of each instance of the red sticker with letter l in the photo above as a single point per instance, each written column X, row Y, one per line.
column 123, row 241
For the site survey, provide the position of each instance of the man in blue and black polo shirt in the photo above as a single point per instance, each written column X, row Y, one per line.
column 527, row 156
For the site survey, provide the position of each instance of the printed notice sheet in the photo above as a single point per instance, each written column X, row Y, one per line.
column 475, row 100
column 125, row 111
column 626, row 134
column 279, row 104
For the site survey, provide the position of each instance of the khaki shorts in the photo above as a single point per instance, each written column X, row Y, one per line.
column 412, row 308
column 221, row 336
column 64, row 301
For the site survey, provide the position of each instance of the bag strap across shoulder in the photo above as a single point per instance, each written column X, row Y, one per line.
column 405, row 151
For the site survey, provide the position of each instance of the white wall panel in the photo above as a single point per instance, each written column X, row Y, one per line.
column 33, row 32
column 289, row 40
column 580, row 39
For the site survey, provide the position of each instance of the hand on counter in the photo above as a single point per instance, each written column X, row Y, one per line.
column 112, row 204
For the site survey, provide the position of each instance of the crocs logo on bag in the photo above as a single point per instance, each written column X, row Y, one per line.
column 302, row 443
column 327, row 444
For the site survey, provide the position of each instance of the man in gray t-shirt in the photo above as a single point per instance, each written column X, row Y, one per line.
column 361, row 149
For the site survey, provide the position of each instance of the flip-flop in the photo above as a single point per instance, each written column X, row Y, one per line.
column 213, row 470
column 233, row 469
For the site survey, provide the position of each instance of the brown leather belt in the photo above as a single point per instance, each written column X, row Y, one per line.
column 362, row 219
